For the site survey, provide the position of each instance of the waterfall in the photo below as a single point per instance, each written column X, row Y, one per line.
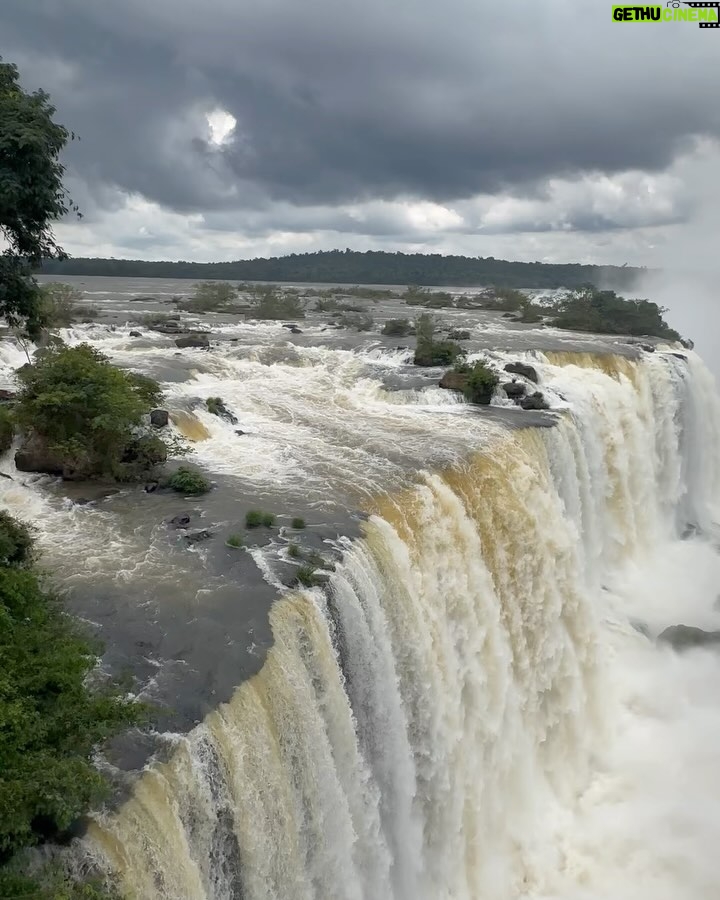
column 424, row 728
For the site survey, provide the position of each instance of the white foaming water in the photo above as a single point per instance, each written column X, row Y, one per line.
column 470, row 712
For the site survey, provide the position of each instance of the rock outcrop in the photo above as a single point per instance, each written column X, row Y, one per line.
column 159, row 418
column 193, row 340
column 454, row 381
column 514, row 389
column 520, row 368
column 684, row 637
column 534, row 401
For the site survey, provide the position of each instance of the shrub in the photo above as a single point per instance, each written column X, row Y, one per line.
column 273, row 305
column 397, row 328
column 305, row 576
column 590, row 309
column 189, row 481
column 87, row 413
column 254, row 518
column 52, row 720
column 298, row 523
column 428, row 351
column 481, row 382
column 358, row 321
column 268, row 520
column 15, row 541
column 211, row 296
column 235, row 540
column 58, row 305
column 294, row 551
column 7, row 429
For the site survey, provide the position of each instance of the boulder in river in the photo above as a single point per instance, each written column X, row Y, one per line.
column 454, row 381
column 136, row 334
column 684, row 637
column 514, row 389
column 520, row 368
column 193, row 340
column 181, row 521
column 534, row 401
column 34, row 456
column 196, row 537
column 159, row 418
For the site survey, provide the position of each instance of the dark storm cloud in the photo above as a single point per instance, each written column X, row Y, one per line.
column 346, row 102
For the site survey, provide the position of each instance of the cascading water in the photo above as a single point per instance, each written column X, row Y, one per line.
column 443, row 721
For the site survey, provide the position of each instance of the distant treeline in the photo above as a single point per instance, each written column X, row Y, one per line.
column 372, row 267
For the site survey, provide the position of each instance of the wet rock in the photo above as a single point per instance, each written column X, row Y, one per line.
column 181, row 521
column 458, row 334
column 684, row 637
column 509, row 315
column 648, row 348
column 196, row 537
column 453, row 381
column 169, row 328
column 679, row 356
column 519, row 368
column 216, row 406
column 82, row 501
column 514, row 389
column 34, row 456
column 136, row 334
column 4, row 475
column 142, row 299
column 193, row 340
column 687, row 343
column 239, row 432
column 534, row 401
column 159, row 418
column 151, row 487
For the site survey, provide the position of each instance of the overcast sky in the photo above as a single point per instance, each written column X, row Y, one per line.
column 235, row 128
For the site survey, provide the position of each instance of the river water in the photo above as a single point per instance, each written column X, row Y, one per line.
column 475, row 705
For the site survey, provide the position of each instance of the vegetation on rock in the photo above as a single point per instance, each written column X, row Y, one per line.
column 481, row 382
column 254, row 518
column 82, row 416
column 274, row 305
column 58, row 305
column 189, row 481
column 235, row 541
column 298, row 523
column 211, row 296
column 604, row 312
column 397, row 328
column 428, row 351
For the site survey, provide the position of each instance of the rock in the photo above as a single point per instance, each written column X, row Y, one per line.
column 4, row 475
column 196, row 537
column 181, row 521
column 514, row 389
column 648, row 348
column 684, row 637
column 159, row 418
column 216, row 406
column 7, row 396
column 534, row 401
column 458, row 335
column 193, row 340
column 169, row 328
column 519, row 368
column 142, row 299
column 679, row 356
column 136, row 334
column 82, row 501
column 151, row 487
column 239, row 432
column 509, row 315
column 687, row 343
column 33, row 456
column 296, row 331
column 453, row 381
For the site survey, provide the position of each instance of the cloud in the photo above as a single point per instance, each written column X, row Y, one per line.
column 228, row 127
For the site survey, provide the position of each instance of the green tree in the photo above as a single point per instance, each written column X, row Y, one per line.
column 604, row 312
column 212, row 296
column 87, row 414
column 58, row 305
column 481, row 382
column 428, row 351
column 32, row 195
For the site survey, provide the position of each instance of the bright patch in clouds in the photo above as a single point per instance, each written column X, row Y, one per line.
column 221, row 125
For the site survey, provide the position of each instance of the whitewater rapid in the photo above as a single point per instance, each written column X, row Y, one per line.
column 475, row 707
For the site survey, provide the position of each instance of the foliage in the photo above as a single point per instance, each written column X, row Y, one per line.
column 333, row 304
column 305, row 576
column 294, row 551
column 235, row 540
column 397, row 328
column 254, row 518
column 358, row 321
column 298, row 524
column 52, row 720
column 428, row 351
column 7, row 429
column 273, row 305
column 88, row 412
column 32, row 196
column 189, row 481
column 417, row 296
column 58, row 305
column 371, row 267
column 459, row 334
column 211, row 296
column 481, row 382
column 605, row 312
column 506, row 299
column 15, row 541
column 51, row 883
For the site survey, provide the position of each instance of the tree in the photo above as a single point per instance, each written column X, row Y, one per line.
column 428, row 351
column 52, row 720
column 85, row 415
column 32, row 195
column 57, row 304
column 211, row 296
column 590, row 309
column 481, row 382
